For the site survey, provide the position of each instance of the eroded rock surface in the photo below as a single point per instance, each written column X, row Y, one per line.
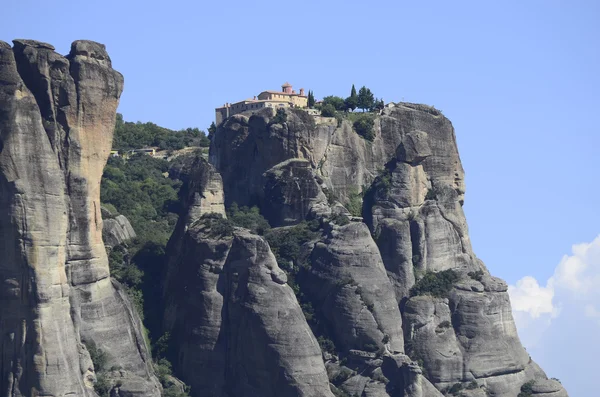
column 57, row 117
column 116, row 229
column 358, row 275
column 238, row 327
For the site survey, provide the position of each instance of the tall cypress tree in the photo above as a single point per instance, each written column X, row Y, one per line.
column 311, row 99
column 353, row 92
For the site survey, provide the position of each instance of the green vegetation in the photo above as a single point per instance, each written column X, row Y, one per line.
column 455, row 389
column 328, row 110
column 217, row 225
column 99, row 358
column 431, row 195
column 382, row 183
column 478, row 275
column 445, row 324
column 364, row 127
column 366, row 100
column 326, row 344
column 435, row 284
column 311, row 99
column 138, row 189
column 286, row 243
column 335, row 101
column 527, row 389
column 130, row 135
column 164, row 369
column 280, row 117
column 339, row 219
column 250, row 218
column 355, row 201
column 352, row 101
column 97, row 355
column 472, row 385
column 363, row 124
column 212, row 129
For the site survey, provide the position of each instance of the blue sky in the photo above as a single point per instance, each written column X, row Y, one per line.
column 518, row 79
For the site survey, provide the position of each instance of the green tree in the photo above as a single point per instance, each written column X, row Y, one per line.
column 328, row 110
column 250, row 218
column 130, row 135
column 366, row 100
column 336, row 101
column 364, row 127
column 351, row 103
column 311, row 99
column 353, row 92
column 211, row 130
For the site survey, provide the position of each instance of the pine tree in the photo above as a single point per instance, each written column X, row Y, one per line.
column 353, row 92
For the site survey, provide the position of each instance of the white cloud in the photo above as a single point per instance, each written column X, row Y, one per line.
column 558, row 320
column 577, row 277
column 529, row 297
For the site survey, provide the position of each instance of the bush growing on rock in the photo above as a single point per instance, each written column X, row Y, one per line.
column 326, row 344
column 285, row 243
column 478, row 275
column 328, row 110
column 280, row 117
column 457, row 387
column 435, row 284
column 249, row 218
column 527, row 389
column 354, row 205
column 364, row 126
column 218, row 226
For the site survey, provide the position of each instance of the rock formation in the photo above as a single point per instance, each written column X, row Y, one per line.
column 57, row 117
column 116, row 229
column 361, row 270
column 237, row 326
column 350, row 314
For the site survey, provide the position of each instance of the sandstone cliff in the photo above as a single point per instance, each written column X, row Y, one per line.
column 57, row 117
column 358, row 275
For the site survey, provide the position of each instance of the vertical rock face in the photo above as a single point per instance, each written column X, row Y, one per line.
column 238, row 328
column 57, row 117
column 359, row 275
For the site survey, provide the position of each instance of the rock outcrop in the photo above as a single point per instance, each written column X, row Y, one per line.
column 359, row 275
column 57, row 117
column 116, row 229
column 237, row 326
